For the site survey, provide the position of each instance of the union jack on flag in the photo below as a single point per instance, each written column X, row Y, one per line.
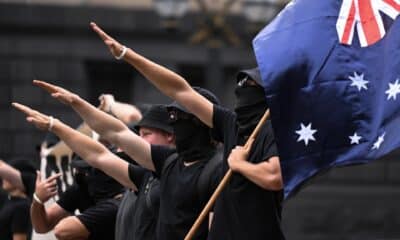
column 365, row 15
column 331, row 74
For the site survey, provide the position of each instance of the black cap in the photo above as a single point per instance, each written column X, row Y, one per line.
column 253, row 73
column 23, row 165
column 156, row 117
column 202, row 91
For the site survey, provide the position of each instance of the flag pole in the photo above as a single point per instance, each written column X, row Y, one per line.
column 224, row 181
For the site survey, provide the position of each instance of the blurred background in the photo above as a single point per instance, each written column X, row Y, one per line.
column 206, row 41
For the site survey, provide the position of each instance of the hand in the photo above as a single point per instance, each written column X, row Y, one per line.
column 114, row 46
column 38, row 119
column 57, row 92
column 106, row 102
column 237, row 157
column 46, row 189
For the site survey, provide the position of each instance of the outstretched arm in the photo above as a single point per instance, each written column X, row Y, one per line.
column 89, row 150
column 127, row 113
column 109, row 128
column 168, row 82
column 12, row 175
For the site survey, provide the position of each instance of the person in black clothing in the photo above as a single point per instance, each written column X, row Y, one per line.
column 14, row 213
column 180, row 201
column 138, row 213
column 94, row 194
column 250, row 206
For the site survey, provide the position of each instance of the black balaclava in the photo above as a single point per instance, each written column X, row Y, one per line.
column 193, row 140
column 192, row 137
column 250, row 107
column 80, row 177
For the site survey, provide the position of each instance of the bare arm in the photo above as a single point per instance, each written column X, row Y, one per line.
column 109, row 128
column 127, row 113
column 12, row 175
column 20, row 236
column 44, row 220
column 168, row 82
column 94, row 153
column 266, row 174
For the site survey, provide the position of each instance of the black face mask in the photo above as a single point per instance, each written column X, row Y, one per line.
column 80, row 178
column 193, row 140
column 250, row 108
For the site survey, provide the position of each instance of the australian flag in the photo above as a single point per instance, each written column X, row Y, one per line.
column 331, row 73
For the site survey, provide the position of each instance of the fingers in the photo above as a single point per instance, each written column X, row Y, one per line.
column 46, row 86
column 109, row 43
column 54, row 177
column 99, row 31
column 53, row 193
column 38, row 177
column 27, row 110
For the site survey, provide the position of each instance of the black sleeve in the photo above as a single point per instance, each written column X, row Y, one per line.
column 137, row 174
column 29, row 181
column 126, row 157
column 223, row 120
column 269, row 149
column 69, row 200
column 158, row 155
column 21, row 219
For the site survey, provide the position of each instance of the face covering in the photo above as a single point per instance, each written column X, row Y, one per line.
column 250, row 108
column 193, row 140
column 80, row 178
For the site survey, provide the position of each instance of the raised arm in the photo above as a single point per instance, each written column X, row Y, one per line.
column 109, row 128
column 89, row 150
column 168, row 82
column 127, row 113
column 12, row 175
column 44, row 220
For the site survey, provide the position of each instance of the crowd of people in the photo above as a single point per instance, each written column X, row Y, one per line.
column 148, row 176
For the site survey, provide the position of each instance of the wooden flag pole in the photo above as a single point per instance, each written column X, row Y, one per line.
column 224, row 181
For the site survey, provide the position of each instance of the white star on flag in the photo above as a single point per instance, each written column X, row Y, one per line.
column 358, row 81
column 394, row 89
column 306, row 133
column 378, row 142
column 355, row 139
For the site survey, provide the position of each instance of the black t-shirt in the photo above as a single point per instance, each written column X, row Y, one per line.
column 101, row 186
column 146, row 207
column 244, row 210
column 15, row 218
column 180, row 204
column 75, row 197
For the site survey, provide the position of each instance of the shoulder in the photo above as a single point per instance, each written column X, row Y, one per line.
column 222, row 113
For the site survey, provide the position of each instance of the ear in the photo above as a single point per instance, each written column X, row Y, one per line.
column 171, row 138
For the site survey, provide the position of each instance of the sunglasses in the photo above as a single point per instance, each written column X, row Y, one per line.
column 246, row 81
